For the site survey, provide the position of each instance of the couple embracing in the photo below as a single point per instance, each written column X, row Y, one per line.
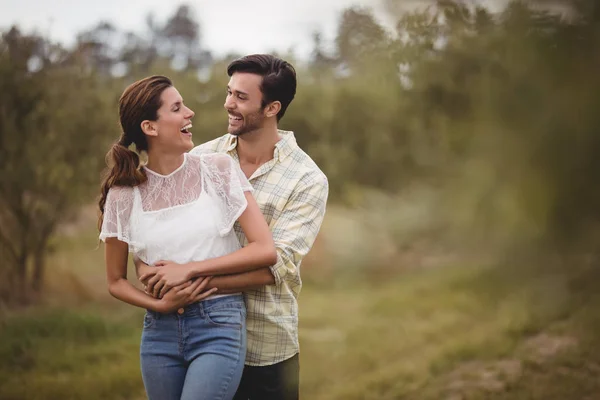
column 218, row 233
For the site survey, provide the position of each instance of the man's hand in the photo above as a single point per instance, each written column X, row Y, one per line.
column 187, row 293
column 164, row 276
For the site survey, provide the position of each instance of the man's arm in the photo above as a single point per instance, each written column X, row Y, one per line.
column 294, row 233
column 225, row 284
column 241, row 282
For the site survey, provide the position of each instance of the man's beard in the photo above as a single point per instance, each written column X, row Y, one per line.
column 251, row 123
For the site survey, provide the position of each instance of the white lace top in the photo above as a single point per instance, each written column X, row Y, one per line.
column 185, row 216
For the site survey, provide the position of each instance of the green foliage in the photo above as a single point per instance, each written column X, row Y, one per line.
column 496, row 113
column 53, row 128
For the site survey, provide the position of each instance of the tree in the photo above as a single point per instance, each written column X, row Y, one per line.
column 181, row 40
column 99, row 47
column 52, row 124
column 361, row 39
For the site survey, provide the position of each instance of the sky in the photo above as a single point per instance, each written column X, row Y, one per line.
column 239, row 26
column 242, row 26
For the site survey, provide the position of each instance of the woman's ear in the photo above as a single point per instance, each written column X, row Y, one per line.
column 149, row 128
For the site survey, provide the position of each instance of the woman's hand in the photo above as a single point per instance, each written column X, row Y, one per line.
column 187, row 293
column 164, row 276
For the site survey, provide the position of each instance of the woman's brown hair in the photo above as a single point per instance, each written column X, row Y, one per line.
column 139, row 102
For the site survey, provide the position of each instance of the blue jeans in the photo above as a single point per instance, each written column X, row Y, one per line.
column 197, row 352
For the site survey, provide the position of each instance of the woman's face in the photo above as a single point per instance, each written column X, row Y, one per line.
column 172, row 128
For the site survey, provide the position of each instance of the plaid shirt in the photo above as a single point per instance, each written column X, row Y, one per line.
column 291, row 192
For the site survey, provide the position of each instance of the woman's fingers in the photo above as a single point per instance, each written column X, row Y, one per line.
column 184, row 285
column 203, row 295
column 164, row 290
column 190, row 289
column 151, row 282
column 193, row 291
column 157, row 288
column 200, row 288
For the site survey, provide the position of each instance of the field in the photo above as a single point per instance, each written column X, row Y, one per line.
column 455, row 330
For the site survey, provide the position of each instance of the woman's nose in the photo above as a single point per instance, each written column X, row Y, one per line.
column 190, row 114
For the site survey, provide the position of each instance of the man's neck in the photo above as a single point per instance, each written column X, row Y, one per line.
column 257, row 147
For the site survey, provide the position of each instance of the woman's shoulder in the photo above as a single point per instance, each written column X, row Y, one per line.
column 209, row 156
column 121, row 191
column 213, row 162
column 120, row 194
column 194, row 159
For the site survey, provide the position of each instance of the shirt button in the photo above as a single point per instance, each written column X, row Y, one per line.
column 180, row 311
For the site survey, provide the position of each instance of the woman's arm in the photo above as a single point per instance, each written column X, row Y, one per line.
column 116, row 254
column 260, row 252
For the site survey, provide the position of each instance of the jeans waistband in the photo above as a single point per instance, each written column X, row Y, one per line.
column 199, row 308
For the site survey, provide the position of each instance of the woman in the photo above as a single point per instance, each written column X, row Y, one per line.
column 182, row 208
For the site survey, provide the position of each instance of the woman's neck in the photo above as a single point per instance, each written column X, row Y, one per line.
column 164, row 163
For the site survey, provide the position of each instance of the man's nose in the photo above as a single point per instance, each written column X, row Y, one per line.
column 229, row 103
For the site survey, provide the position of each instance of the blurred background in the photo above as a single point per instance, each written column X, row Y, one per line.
column 459, row 255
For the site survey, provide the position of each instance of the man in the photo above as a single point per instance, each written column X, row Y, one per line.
column 292, row 193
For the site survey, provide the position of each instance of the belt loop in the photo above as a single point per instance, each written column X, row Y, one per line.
column 200, row 309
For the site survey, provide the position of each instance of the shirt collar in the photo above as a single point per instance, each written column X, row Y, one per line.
column 283, row 148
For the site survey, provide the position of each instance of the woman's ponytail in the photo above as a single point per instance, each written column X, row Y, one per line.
column 124, row 170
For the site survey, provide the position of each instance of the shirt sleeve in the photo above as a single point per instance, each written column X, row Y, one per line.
column 117, row 214
column 296, row 229
column 227, row 182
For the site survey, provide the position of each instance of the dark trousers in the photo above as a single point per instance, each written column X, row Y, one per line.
column 273, row 382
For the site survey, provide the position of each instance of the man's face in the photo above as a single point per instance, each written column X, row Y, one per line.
column 243, row 103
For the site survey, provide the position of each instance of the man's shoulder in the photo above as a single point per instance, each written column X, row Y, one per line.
column 216, row 145
column 310, row 171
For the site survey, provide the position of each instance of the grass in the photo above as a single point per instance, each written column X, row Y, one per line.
column 69, row 354
column 459, row 332
column 406, row 339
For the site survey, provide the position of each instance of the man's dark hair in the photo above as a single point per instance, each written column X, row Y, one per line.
column 279, row 78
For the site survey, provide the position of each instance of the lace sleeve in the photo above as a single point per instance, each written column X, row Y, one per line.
column 117, row 214
column 227, row 182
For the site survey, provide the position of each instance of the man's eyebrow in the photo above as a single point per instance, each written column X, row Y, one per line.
column 237, row 91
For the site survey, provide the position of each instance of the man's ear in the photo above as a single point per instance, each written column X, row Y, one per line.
column 149, row 128
column 272, row 109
